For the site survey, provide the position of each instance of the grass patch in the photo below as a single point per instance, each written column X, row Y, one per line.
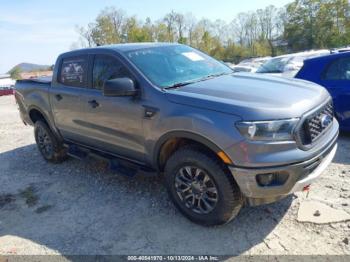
column 29, row 195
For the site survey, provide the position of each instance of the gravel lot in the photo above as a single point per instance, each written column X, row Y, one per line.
column 83, row 208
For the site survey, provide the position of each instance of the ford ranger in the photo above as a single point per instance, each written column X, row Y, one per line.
column 221, row 140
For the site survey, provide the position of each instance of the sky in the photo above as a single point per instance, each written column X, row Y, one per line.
column 37, row 31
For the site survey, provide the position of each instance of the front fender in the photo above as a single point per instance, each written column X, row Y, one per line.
column 213, row 129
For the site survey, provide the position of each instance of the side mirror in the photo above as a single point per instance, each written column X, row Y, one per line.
column 119, row 87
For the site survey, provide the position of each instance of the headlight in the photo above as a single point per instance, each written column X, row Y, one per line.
column 280, row 130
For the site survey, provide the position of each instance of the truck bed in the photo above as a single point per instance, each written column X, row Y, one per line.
column 41, row 80
column 33, row 92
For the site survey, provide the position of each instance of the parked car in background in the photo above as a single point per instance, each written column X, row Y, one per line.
column 332, row 72
column 4, row 91
column 340, row 50
column 250, row 64
column 6, row 85
column 241, row 68
column 288, row 65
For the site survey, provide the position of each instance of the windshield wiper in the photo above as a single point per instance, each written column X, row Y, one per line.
column 214, row 75
column 180, row 84
column 177, row 85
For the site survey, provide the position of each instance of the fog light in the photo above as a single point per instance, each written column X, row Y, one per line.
column 272, row 179
column 265, row 179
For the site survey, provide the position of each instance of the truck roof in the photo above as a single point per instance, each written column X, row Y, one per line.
column 136, row 46
column 122, row 47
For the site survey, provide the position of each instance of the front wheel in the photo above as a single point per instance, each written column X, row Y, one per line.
column 201, row 187
column 50, row 148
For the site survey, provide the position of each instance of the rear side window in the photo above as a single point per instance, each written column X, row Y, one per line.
column 74, row 71
column 338, row 70
column 106, row 68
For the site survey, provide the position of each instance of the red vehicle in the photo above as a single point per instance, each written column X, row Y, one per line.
column 4, row 91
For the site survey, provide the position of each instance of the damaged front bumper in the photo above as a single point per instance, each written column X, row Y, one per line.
column 289, row 178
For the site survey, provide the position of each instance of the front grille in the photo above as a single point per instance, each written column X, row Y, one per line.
column 316, row 124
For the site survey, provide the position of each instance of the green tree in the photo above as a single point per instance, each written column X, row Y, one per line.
column 300, row 25
column 15, row 73
column 311, row 24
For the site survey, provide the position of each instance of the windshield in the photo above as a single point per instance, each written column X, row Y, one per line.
column 168, row 66
column 275, row 65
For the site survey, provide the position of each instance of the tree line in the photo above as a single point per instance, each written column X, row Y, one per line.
column 298, row 26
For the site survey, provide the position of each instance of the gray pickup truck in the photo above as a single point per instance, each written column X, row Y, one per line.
column 221, row 140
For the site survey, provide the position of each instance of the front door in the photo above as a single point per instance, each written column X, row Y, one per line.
column 112, row 124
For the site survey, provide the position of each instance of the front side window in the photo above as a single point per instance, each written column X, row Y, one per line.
column 74, row 71
column 338, row 70
column 106, row 68
column 166, row 66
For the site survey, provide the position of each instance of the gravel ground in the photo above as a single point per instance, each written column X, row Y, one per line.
column 83, row 208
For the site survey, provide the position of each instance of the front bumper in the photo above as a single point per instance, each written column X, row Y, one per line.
column 299, row 175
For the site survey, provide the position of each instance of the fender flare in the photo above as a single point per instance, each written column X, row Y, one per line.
column 47, row 119
column 181, row 134
column 33, row 107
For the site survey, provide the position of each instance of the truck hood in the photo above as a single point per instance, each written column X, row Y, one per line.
column 252, row 96
column 289, row 74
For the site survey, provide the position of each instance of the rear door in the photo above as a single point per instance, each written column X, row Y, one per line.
column 336, row 78
column 65, row 95
column 112, row 124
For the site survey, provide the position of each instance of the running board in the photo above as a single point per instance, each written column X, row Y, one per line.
column 118, row 165
column 76, row 152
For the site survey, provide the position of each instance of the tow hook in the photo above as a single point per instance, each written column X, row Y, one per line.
column 306, row 188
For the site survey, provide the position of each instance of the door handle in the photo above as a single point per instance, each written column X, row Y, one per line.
column 93, row 103
column 58, row 97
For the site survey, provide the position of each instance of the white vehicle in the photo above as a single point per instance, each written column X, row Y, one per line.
column 6, row 81
column 242, row 68
column 288, row 65
column 340, row 50
column 250, row 64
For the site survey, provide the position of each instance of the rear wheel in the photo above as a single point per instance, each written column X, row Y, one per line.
column 49, row 146
column 201, row 187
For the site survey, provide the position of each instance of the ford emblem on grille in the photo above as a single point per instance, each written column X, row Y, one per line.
column 325, row 120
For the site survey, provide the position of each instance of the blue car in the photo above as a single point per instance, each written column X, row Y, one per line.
column 332, row 72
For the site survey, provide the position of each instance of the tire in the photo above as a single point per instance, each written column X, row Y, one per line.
column 224, row 205
column 49, row 146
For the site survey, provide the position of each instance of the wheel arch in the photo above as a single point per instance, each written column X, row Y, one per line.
column 35, row 114
column 170, row 142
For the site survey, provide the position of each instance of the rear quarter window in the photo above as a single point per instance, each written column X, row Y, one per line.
column 73, row 71
column 338, row 69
